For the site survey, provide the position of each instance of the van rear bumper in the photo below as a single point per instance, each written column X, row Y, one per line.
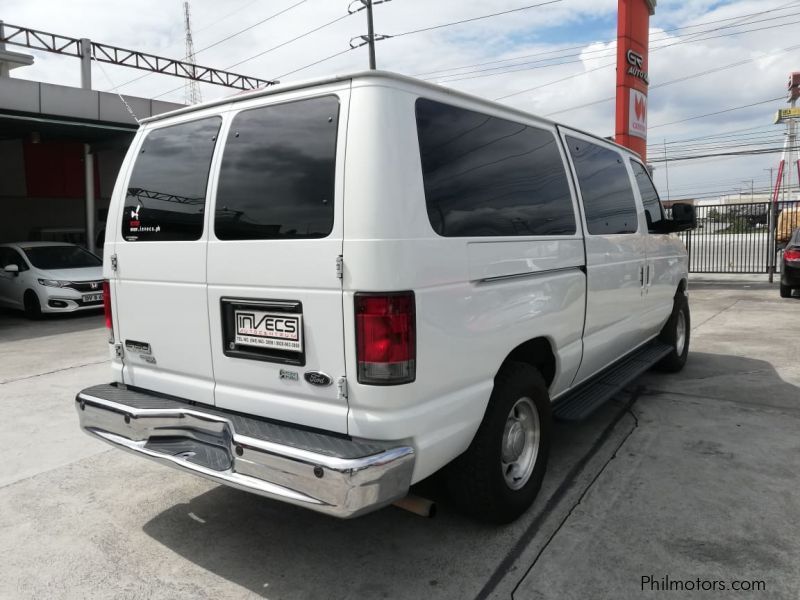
column 328, row 473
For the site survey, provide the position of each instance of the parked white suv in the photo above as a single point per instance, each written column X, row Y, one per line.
column 326, row 292
column 49, row 277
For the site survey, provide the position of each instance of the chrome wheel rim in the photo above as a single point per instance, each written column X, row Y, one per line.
column 680, row 333
column 520, row 445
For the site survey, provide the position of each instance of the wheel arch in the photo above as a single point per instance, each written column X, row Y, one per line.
column 537, row 352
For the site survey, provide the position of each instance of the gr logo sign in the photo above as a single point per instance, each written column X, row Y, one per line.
column 636, row 65
column 635, row 59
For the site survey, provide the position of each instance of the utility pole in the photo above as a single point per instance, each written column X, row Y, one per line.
column 369, row 39
column 371, row 34
column 666, row 167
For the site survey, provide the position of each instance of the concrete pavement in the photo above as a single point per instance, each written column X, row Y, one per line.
column 691, row 476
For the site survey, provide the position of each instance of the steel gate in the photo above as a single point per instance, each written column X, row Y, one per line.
column 736, row 238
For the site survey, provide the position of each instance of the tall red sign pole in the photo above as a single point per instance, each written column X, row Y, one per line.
column 633, row 34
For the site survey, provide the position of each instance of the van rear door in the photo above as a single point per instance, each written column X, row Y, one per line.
column 274, row 294
column 160, row 285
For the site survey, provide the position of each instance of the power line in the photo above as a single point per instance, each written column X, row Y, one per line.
column 580, row 47
column 470, row 20
column 712, row 71
column 281, row 45
column 225, row 39
column 316, row 62
column 774, row 150
column 727, row 133
column 612, row 64
column 604, row 52
column 719, row 112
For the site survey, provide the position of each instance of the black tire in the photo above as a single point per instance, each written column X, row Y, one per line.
column 786, row 291
column 33, row 308
column 476, row 480
column 676, row 359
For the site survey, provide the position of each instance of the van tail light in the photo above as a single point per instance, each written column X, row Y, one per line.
column 386, row 345
column 792, row 256
column 107, row 310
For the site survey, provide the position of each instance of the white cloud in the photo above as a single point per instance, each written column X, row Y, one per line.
column 156, row 26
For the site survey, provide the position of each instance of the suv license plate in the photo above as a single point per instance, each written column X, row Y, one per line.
column 280, row 331
column 92, row 297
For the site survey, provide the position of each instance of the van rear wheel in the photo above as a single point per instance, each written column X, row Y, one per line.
column 500, row 474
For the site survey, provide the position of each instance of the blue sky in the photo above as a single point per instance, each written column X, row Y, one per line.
column 583, row 76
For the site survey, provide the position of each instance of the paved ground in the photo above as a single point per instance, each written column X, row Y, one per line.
column 690, row 477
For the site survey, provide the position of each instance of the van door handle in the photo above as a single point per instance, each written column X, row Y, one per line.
column 641, row 276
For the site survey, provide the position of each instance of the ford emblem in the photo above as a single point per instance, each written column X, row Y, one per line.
column 317, row 378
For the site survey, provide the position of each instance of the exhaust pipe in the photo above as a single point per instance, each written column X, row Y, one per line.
column 419, row 506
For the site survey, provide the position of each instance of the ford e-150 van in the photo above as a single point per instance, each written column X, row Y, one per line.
column 326, row 292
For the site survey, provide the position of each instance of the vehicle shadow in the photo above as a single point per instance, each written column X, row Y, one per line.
column 284, row 552
column 14, row 325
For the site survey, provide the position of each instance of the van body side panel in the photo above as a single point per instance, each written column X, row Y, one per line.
column 615, row 264
column 250, row 260
column 667, row 260
column 477, row 298
column 160, row 291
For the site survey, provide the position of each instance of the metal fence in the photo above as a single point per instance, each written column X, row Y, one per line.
column 739, row 238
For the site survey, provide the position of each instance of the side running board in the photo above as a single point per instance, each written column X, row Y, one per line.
column 578, row 404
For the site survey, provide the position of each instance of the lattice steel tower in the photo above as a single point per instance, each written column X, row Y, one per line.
column 192, row 95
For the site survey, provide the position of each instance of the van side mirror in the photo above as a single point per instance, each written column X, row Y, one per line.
column 683, row 219
column 11, row 269
column 684, row 214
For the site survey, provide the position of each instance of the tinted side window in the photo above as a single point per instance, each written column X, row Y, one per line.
column 652, row 205
column 278, row 172
column 166, row 195
column 608, row 200
column 486, row 176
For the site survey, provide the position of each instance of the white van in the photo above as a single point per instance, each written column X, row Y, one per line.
column 324, row 293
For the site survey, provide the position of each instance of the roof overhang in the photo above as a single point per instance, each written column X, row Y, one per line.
column 21, row 126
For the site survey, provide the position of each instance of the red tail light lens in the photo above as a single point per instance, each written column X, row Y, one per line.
column 386, row 348
column 792, row 255
column 107, row 310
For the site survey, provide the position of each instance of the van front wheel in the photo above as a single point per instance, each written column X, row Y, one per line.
column 676, row 334
column 500, row 474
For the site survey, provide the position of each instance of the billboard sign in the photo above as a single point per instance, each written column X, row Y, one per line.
column 637, row 115
column 633, row 35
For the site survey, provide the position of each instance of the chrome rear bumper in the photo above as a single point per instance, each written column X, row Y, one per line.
column 323, row 472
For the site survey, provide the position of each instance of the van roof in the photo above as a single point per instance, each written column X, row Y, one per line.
column 376, row 74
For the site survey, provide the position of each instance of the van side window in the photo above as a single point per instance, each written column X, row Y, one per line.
column 166, row 195
column 608, row 201
column 278, row 172
column 652, row 205
column 486, row 176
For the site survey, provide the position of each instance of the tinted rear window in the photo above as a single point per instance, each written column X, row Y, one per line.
column 61, row 257
column 486, row 176
column 166, row 194
column 606, row 190
column 278, row 172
